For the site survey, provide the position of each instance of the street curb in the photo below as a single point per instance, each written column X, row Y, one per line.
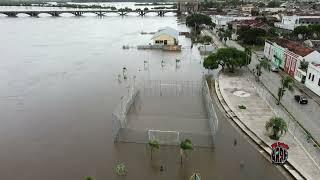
column 289, row 166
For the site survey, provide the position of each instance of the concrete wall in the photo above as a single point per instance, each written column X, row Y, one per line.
column 268, row 52
column 170, row 39
column 314, row 72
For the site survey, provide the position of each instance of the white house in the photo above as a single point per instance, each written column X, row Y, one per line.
column 223, row 20
column 313, row 78
column 166, row 36
column 291, row 22
column 301, row 74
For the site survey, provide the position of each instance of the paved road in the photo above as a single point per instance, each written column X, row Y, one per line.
column 308, row 115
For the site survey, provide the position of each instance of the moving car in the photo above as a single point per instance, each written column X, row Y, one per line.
column 301, row 99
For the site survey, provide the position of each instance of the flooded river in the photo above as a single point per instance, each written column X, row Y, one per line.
column 59, row 85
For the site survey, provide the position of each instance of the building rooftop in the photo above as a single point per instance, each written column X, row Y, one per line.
column 167, row 30
column 293, row 46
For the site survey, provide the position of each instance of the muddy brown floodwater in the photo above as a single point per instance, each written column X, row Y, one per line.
column 59, row 87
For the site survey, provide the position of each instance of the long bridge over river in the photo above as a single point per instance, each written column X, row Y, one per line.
column 99, row 12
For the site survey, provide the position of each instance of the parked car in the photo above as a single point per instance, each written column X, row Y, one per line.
column 274, row 69
column 301, row 99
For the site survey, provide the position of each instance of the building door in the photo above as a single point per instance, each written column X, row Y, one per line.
column 303, row 80
column 165, row 42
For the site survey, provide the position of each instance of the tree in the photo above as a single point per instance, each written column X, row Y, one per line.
column 184, row 146
column 304, row 64
column 154, row 145
column 304, row 31
column 278, row 127
column 225, row 57
column 261, row 4
column 251, row 35
column 287, row 82
column 213, row 25
column 315, row 29
column 88, row 178
column 265, row 64
column 273, row 4
column 205, row 39
column 196, row 20
column 255, row 12
column 248, row 53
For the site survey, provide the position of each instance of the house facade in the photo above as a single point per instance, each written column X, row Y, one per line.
column 313, row 78
column 188, row 5
column 166, row 36
column 291, row 22
column 221, row 21
column 288, row 55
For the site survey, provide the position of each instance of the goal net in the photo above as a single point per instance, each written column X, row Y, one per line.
column 164, row 137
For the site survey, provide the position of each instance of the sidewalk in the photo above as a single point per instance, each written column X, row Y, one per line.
column 215, row 39
column 257, row 113
column 305, row 90
column 308, row 116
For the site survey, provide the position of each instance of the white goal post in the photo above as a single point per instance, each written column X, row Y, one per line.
column 164, row 137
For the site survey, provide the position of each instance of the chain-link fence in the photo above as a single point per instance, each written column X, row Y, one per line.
column 212, row 116
column 119, row 116
column 294, row 128
column 164, row 91
column 170, row 88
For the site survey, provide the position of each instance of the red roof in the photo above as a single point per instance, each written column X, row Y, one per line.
column 294, row 46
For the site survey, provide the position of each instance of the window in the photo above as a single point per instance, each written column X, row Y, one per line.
column 319, row 82
column 312, row 77
column 309, row 76
column 157, row 42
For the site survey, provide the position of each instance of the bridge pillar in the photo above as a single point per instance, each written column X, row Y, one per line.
column 142, row 13
column 54, row 14
column 12, row 14
column 100, row 14
column 33, row 14
column 161, row 13
column 78, row 13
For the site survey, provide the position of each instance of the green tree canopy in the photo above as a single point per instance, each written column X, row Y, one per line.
column 251, row 35
column 274, row 3
column 303, row 30
column 225, row 57
column 198, row 19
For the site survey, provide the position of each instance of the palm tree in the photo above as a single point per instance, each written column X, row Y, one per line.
column 287, row 82
column 184, row 146
column 279, row 127
column 154, row 145
column 265, row 64
column 248, row 55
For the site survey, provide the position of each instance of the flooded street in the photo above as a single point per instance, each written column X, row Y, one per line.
column 59, row 86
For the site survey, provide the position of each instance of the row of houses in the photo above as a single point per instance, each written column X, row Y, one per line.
column 291, row 22
column 289, row 55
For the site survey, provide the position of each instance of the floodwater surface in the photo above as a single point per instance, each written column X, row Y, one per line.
column 61, row 78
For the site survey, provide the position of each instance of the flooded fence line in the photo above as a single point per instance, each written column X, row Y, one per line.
column 119, row 116
column 167, row 90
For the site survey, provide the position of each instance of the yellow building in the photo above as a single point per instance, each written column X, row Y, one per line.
column 166, row 36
